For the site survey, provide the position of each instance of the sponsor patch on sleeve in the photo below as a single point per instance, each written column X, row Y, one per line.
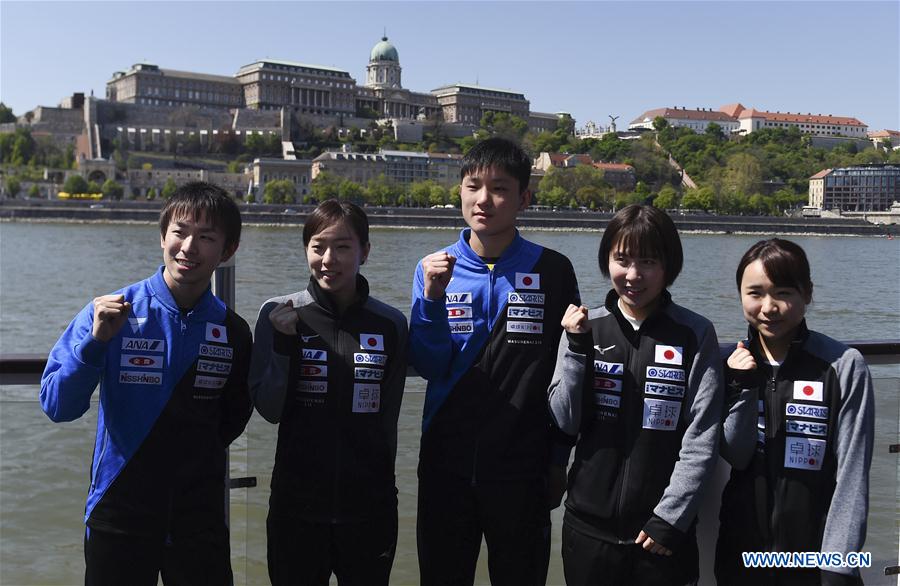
column 314, row 355
column 313, row 370
column 517, row 298
column 805, row 390
column 216, row 333
column 525, row 312
column 801, row 410
column 668, row 355
column 528, row 281
column 661, row 415
column 141, row 361
column 368, row 373
column 461, row 312
column 216, row 351
column 609, row 401
column 371, row 342
column 463, row 297
column 669, row 374
column 655, row 388
column 803, row 453
column 143, row 345
column 312, row 386
column 366, row 398
column 608, row 384
column 128, row 377
column 525, row 327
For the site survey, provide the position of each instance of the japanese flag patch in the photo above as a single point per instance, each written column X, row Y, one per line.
column 371, row 342
column 668, row 354
column 806, row 390
column 216, row 333
column 528, row 281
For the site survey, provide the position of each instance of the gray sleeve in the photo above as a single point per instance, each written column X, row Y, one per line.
column 394, row 384
column 739, row 427
column 269, row 369
column 566, row 387
column 700, row 444
column 845, row 525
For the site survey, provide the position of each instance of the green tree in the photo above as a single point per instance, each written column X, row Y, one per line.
column 351, row 191
column 151, row 193
column 325, row 186
column 6, row 114
column 380, row 191
column 556, row 196
column 666, row 199
column 660, row 123
column 111, row 189
column 455, row 198
column 279, row 191
column 13, row 186
column 92, row 187
column 169, row 188
column 75, row 184
column 34, row 191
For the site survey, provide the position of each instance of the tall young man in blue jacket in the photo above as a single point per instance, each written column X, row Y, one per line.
column 172, row 362
column 485, row 321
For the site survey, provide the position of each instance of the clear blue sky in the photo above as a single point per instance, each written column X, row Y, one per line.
column 588, row 58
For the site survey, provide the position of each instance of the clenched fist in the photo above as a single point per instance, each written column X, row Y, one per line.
column 284, row 318
column 575, row 320
column 110, row 313
column 437, row 269
column 741, row 359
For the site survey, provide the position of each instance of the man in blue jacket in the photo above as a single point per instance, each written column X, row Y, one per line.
column 171, row 360
column 484, row 326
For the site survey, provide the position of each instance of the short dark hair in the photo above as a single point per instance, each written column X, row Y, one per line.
column 332, row 211
column 785, row 264
column 500, row 153
column 199, row 199
column 644, row 231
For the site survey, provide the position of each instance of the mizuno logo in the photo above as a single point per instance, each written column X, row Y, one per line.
column 308, row 338
column 602, row 351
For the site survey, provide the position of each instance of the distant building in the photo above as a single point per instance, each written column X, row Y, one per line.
column 815, row 124
column 297, row 171
column 697, row 120
column 618, row 175
column 880, row 137
column 149, row 85
column 402, row 167
column 464, row 103
column 855, row 189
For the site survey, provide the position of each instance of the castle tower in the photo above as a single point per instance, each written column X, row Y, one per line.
column 383, row 70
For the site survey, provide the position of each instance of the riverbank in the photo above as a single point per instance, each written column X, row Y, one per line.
column 125, row 212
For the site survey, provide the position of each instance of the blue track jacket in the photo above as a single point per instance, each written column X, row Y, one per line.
column 173, row 395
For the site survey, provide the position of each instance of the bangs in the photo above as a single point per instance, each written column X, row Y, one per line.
column 784, row 262
column 640, row 240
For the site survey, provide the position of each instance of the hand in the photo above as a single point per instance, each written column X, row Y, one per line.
column 648, row 544
column 110, row 313
column 437, row 269
column 556, row 485
column 575, row 320
column 284, row 318
column 741, row 359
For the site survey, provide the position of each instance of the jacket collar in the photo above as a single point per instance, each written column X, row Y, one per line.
column 326, row 301
column 205, row 307
column 509, row 255
column 797, row 343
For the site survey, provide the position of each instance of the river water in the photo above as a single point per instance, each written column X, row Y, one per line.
column 49, row 271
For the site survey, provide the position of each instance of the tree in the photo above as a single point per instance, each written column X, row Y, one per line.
column 6, row 114
column 351, row 191
column 34, row 191
column 92, row 187
column 13, row 186
column 660, row 124
column 666, row 199
column 151, row 193
column 380, row 191
column 75, row 184
column 169, row 188
column 112, row 190
column 455, row 199
column 279, row 191
column 715, row 132
column 325, row 186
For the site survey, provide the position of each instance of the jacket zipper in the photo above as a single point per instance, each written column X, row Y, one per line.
column 338, row 408
column 626, row 412
column 487, row 360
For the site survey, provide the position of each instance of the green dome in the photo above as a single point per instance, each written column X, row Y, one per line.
column 384, row 51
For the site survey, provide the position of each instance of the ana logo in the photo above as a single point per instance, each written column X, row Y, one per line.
column 459, row 298
column 375, row 359
column 144, row 344
column 216, row 333
column 313, row 370
column 141, row 361
column 525, row 298
column 668, row 354
column 371, row 342
column 314, row 355
column 137, row 323
column 601, row 367
column 461, row 327
column 459, row 312
column 608, row 384
column 673, row 374
column 528, row 281
column 805, row 390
